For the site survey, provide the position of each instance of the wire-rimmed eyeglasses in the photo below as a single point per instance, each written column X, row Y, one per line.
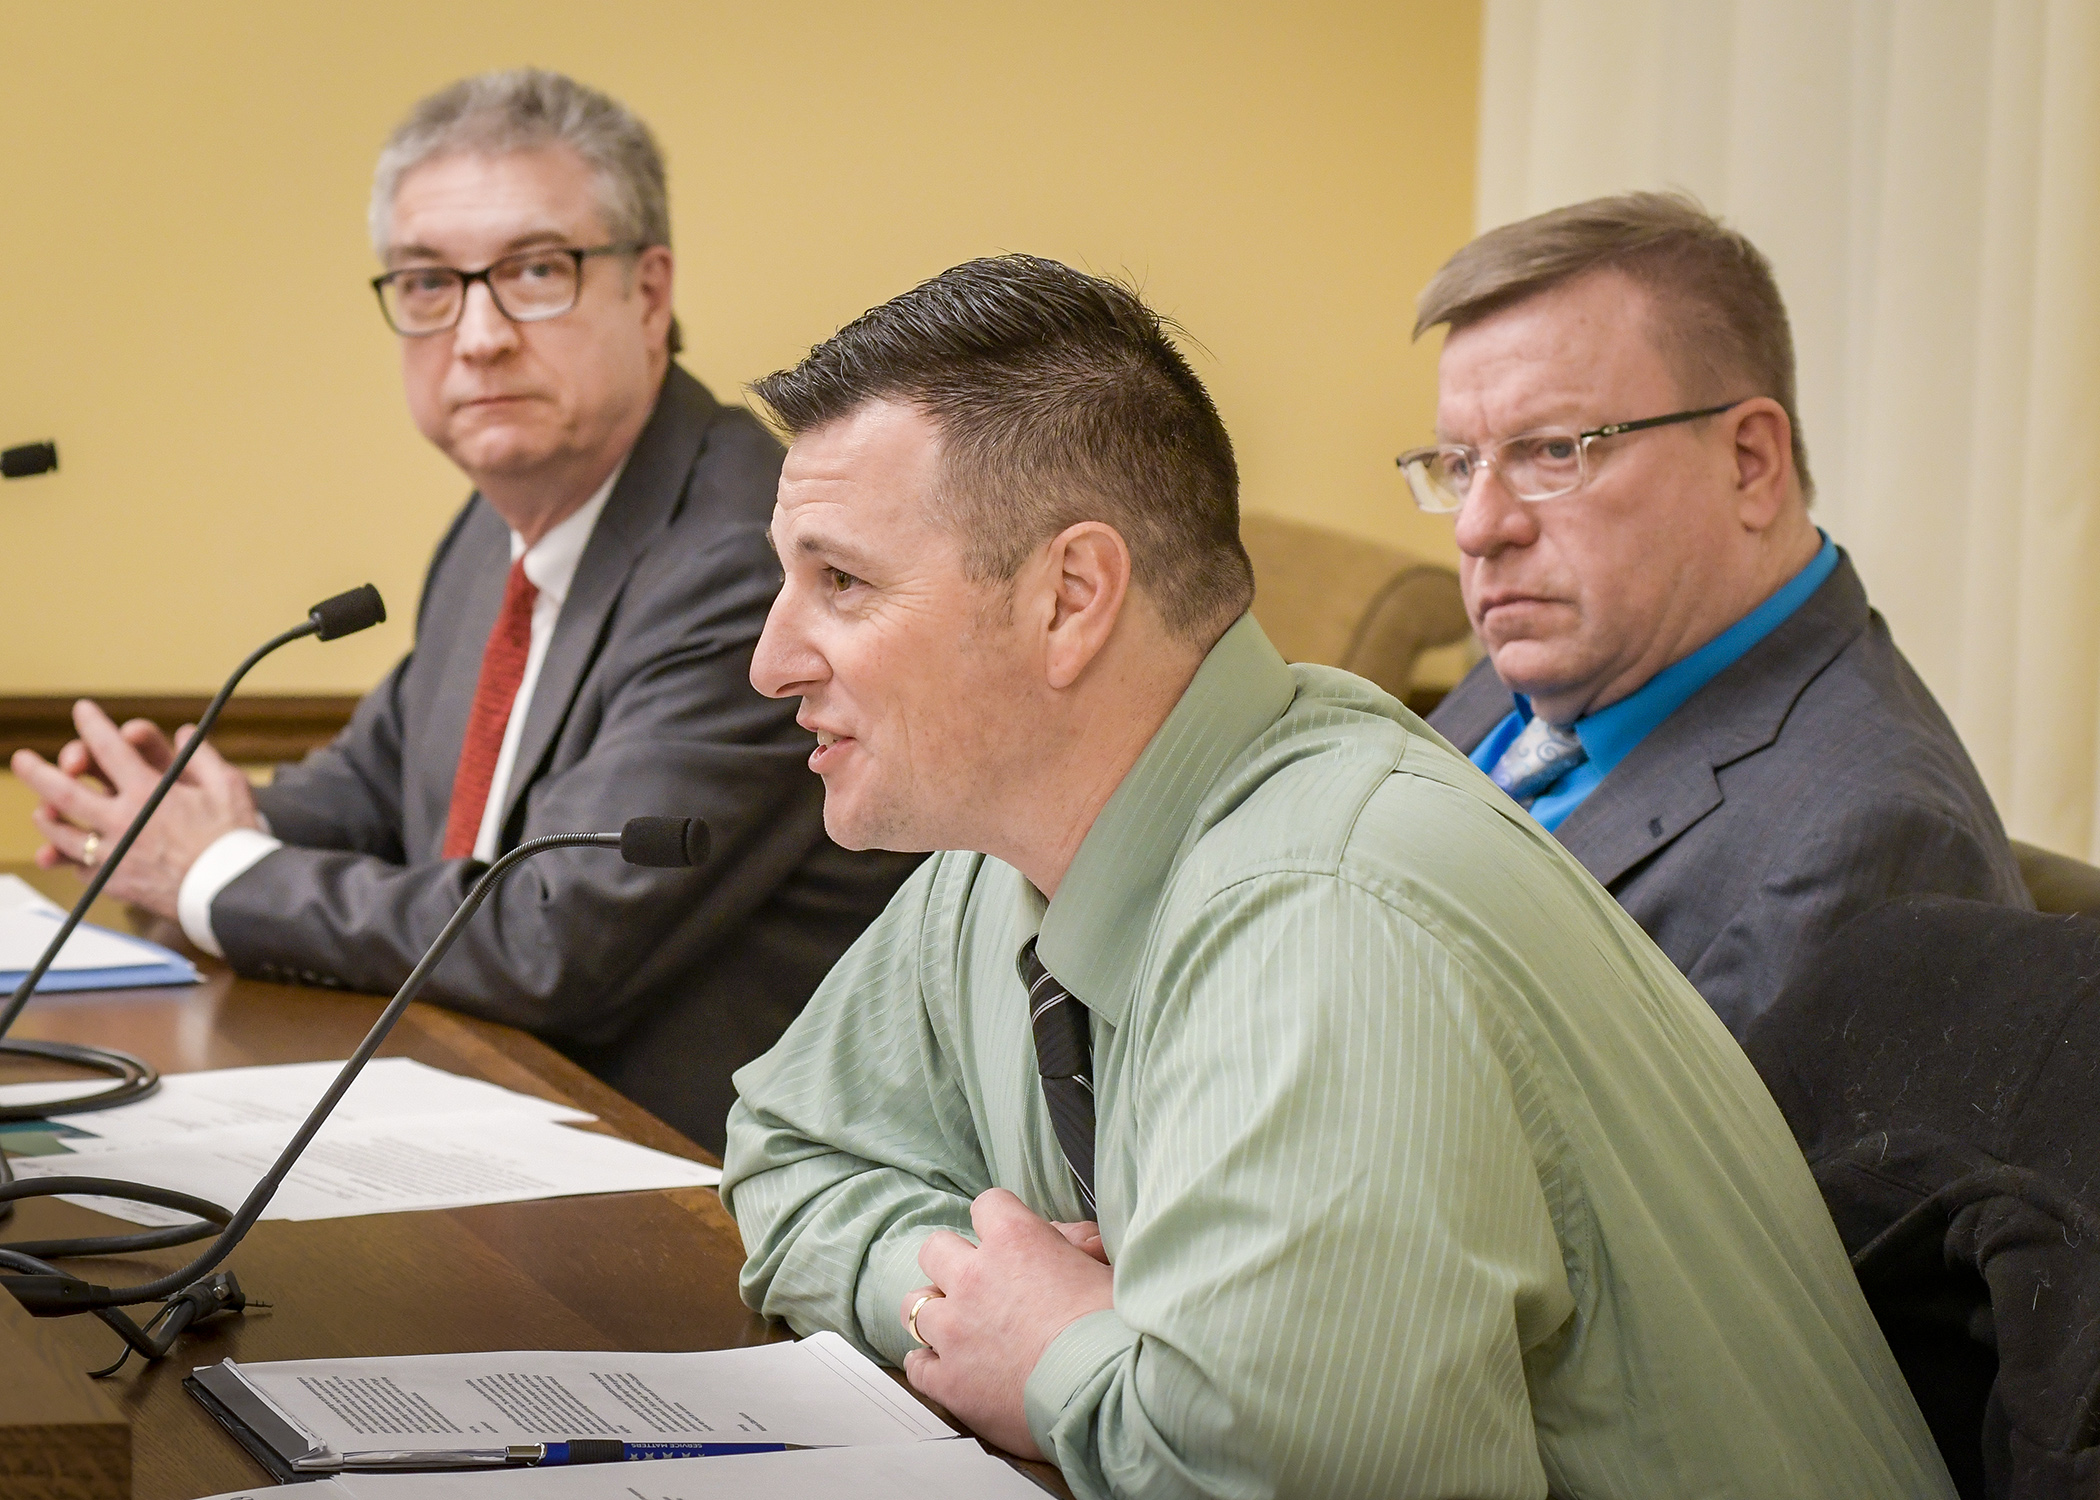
column 1542, row 464
column 528, row 287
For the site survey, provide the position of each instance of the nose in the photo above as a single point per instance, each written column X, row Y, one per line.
column 1492, row 519
column 483, row 332
column 786, row 664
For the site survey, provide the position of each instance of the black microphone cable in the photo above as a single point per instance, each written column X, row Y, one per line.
column 195, row 1292
column 344, row 614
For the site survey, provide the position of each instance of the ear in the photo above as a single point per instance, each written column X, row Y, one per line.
column 1087, row 569
column 652, row 279
column 1764, row 461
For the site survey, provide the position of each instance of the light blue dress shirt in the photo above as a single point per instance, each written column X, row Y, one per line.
column 1609, row 735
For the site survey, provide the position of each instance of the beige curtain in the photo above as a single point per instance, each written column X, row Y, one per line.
column 1925, row 175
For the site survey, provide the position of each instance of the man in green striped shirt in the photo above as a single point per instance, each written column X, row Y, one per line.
column 1384, row 1155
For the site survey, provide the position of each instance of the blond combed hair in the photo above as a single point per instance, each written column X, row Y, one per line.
column 1718, row 316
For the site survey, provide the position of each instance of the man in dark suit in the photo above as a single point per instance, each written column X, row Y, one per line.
column 582, row 653
column 1683, row 680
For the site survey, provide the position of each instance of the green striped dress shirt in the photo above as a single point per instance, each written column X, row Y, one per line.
column 1423, row 1172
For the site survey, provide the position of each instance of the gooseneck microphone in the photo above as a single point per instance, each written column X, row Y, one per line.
column 194, row 1292
column 29, row 458
column 345, row 614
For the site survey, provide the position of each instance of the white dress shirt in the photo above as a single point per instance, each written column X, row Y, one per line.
column 550, row 563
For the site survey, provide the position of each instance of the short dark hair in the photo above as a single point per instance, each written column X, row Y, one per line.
column 1720, row 320
column 1059, row 398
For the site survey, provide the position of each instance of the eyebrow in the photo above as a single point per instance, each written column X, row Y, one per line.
column 849, row 558
column 526, row 241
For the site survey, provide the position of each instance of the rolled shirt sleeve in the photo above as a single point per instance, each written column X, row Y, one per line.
column 849, row 1147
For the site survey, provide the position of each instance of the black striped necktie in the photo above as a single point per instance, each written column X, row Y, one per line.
column 1064, row 1055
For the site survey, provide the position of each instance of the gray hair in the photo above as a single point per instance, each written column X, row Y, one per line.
column 523, row 109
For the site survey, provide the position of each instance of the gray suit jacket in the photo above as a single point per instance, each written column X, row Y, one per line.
column 662, row 982
column 1814, row 779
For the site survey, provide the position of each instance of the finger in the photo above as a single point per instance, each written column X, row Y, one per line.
column 943, row 1256
column 144, row 736
column 921, row 1366
column 207, row 763
column 74, row 760
column 911, row 1299
column 1078, row 1233
column 122, row 764
column 59, row 792
column 997, row 1211
column 69, row 842
column 936, row 1320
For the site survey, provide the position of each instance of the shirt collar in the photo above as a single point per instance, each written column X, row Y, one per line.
column 1609, row 735
column 1095, row 930
column 551, row 561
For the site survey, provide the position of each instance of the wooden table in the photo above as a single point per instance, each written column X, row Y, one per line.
column 653, row 1271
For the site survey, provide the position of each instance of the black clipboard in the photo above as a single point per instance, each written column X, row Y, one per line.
column 258, row 1430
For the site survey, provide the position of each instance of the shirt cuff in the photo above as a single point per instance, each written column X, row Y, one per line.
column 229, row 857
column 1075, row 1361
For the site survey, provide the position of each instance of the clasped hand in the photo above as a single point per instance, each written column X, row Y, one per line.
column 211, row 798
column 995, row 1307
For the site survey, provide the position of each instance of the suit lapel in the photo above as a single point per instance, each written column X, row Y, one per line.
column 1668, row 783
column 641, row 504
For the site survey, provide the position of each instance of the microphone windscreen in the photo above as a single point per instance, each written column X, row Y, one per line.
column 664, row 843
column 347, row 613
column 30, row 458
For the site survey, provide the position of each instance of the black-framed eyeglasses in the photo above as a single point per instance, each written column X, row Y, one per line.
column 528, row 287
column 1542, row 464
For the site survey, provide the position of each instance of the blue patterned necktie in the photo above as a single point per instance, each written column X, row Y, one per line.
column 1064, row 1055
column 1536, row 759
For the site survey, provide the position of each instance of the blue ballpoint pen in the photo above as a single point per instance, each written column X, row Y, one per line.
column 536, row 1455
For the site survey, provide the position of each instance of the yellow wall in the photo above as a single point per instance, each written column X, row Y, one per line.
column 183, row 304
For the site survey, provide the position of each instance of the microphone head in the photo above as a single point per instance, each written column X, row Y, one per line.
column 28, row 459
column 664, row 843
column 347, row 613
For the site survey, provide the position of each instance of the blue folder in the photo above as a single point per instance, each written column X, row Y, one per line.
column 157, row 966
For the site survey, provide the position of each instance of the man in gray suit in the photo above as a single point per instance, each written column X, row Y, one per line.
column 1683, row 681
column 582, row 653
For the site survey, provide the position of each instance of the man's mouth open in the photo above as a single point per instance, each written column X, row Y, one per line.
column 831, row 749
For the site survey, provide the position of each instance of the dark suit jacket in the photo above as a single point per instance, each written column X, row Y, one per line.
column 662, row 982
column 1936, row 1064
column 1813, row 779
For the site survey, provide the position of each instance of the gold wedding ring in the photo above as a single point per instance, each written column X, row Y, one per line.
column 911, row 1319
column 89, row 848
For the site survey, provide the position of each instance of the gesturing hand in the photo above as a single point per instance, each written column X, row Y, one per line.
column 212, row 798
column 996, row 1307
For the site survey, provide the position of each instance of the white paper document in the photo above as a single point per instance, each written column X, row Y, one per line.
column 958, row 1470
column 188, row 1104
column 405, row 1137
column 819, row 1392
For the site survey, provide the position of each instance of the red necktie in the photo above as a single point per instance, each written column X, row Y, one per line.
column 502, row 669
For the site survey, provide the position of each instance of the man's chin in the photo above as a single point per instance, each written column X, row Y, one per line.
column 1533, row 668
column 853, row 827
column 500, row 449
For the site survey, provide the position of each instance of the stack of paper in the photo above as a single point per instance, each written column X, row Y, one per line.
column 406, row 1136
column 321, row 1415
column 957, row 1470
column 93, row 958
